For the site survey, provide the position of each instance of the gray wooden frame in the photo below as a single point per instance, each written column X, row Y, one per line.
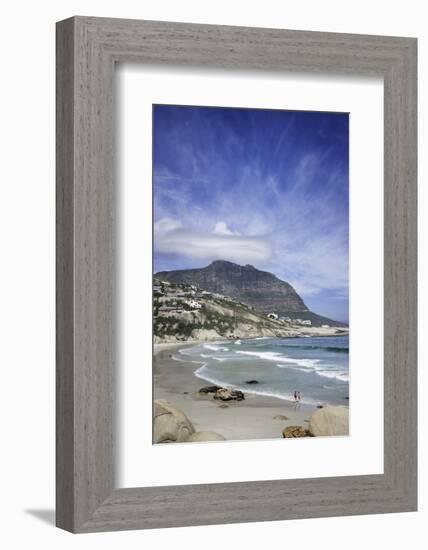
column 87, row 50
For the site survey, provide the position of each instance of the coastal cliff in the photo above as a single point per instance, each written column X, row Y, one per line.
column 185, row 313
column 258, row 289
column 178, row 317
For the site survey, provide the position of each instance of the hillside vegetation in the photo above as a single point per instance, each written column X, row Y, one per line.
column 254, row 287
column 186, row 313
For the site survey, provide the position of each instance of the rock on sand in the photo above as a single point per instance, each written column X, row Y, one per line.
column 330, row 421
column 294, row 431
column 225, row 394
column 170, row 423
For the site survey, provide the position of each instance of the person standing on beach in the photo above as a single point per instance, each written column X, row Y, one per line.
column 295, row 395
column 298, row 396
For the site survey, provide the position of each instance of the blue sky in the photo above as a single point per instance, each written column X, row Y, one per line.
column 262, row 187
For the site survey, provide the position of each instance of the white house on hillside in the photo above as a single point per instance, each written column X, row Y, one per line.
column 273, row 316
column 193, row 304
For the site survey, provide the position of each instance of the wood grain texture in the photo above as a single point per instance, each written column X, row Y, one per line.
column 87, row 49
column 64, row 276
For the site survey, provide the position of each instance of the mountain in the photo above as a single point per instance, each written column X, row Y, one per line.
column 259, row 289
column 180, row 314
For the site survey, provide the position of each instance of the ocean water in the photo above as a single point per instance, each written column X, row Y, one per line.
column 317, row 367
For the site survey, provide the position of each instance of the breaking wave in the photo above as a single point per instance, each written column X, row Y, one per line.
column 213, row 347
column 275, row 356
column 203, row 374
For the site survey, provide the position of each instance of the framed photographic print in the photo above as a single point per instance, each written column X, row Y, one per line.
column 236, row 274
column 255, row 337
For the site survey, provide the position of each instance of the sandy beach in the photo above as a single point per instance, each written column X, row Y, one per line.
column 253, row 418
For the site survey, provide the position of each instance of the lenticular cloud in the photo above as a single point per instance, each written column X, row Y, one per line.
column 171, row 238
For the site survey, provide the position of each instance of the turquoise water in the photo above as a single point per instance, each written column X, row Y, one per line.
column 317, row 367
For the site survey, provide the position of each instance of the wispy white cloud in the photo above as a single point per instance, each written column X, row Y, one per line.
column 166, row 225
column 221, row 228
column 263, row 196
column 221, row 243
column 315, row 264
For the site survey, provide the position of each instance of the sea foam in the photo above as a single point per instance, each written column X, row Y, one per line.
column 278, row 370
column 203, row 374
column 275, row 356
column 212, row 347
column 343, row 376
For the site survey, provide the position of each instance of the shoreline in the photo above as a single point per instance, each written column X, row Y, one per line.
column 254, row 418
column 311, row 332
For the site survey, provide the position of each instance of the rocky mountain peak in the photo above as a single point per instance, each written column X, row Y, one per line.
column 259, row 289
